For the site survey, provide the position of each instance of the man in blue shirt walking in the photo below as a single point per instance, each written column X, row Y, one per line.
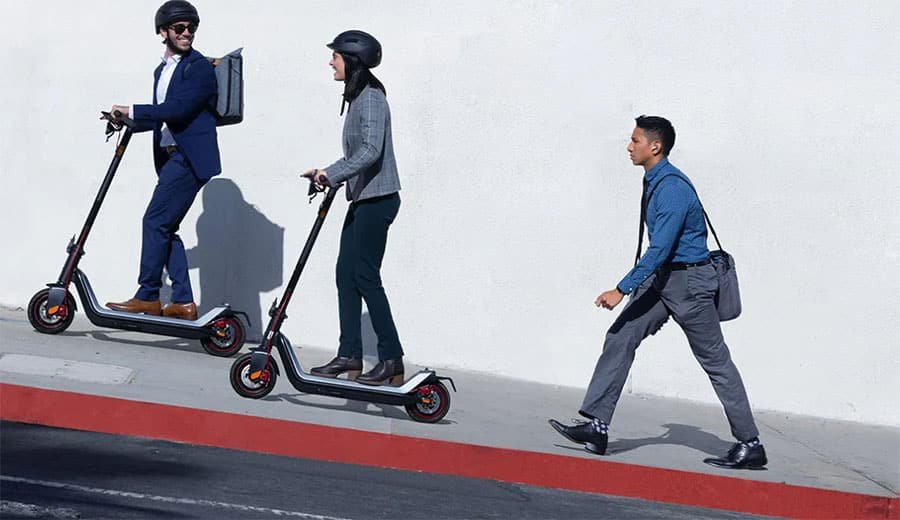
column 673, row 278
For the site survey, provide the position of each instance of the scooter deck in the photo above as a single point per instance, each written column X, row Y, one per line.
column 349, row 389
column 163, row 325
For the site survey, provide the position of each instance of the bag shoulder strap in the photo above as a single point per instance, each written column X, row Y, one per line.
column 213, row 61
column 645, row 201
column 185, row 69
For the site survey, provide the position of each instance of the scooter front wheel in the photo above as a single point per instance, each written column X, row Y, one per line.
column 244, row 386
column 226, row 337
column 432, row 403
column 40, row 318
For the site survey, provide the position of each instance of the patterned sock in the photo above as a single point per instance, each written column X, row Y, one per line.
column 599, row 426
column 752, row 443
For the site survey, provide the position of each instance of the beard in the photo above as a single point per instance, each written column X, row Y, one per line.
column 174, row 48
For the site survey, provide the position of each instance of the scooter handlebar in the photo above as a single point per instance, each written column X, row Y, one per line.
column 116, row 118
column 315, row 188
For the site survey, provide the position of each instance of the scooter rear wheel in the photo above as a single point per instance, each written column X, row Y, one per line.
column 240, row 378
column 42, row 321
column 432, row 403
column 227, row 337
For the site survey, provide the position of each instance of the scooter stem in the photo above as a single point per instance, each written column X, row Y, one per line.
column 258, row 362
column 76, row 250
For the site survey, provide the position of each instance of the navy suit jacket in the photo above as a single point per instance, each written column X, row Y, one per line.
column 187, row 111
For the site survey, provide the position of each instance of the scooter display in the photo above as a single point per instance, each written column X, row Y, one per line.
column 52, row 310
column 253, row 375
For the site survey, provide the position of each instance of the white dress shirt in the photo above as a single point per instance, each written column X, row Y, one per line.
column 165, row 77
column 162, row 87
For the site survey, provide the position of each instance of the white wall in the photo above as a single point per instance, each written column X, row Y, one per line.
column 519, row 203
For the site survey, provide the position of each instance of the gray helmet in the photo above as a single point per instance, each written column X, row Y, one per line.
column 360, row 44
column 175, row 10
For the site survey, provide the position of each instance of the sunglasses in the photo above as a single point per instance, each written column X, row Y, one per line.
column 180, row 27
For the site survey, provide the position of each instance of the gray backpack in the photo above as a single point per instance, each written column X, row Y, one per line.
column 229, row 106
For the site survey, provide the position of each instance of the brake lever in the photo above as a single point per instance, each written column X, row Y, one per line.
column 111, row 126
column 314, row 189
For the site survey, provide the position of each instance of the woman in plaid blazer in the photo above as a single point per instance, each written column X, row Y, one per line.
column 369, row 169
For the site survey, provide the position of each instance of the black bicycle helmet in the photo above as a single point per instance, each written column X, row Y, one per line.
column 175, row 10
column 360, row 44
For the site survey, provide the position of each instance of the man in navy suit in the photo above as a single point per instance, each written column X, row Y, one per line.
column 185, row 153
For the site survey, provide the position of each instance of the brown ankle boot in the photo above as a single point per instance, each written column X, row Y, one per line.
column 338, row 366
column 387, row 371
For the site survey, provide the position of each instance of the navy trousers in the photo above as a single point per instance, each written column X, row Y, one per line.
column 363, row 240
column 161, row 246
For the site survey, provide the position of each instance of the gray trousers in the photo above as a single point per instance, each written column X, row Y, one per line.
column 687, row 295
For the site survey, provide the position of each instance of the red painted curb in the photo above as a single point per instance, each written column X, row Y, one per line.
column 294, row 439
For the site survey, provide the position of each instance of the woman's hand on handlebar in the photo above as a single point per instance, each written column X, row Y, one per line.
column 317, row 176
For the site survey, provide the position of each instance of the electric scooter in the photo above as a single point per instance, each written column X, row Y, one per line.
column 253, row 375
column 52, row 310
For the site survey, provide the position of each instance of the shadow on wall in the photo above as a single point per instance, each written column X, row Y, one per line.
column 239, row 253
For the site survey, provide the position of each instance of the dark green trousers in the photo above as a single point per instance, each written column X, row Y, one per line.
column 363, row 240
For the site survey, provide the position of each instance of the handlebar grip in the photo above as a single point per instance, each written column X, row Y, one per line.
column 116, row 118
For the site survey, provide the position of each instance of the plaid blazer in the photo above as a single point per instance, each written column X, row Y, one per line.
column 368, row 166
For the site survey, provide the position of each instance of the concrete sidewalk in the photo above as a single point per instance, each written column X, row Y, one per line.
column 486, row 411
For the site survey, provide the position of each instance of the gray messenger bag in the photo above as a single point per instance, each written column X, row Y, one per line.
column 728, row 297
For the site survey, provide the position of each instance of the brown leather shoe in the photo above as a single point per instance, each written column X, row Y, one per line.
column 184, row 311
column 137, row 306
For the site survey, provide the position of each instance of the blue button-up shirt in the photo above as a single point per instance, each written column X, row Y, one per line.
column 675, row 224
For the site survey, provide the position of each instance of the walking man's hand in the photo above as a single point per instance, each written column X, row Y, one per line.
column 609, row 299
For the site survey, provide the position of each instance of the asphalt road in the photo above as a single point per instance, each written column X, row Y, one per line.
column 51, row 473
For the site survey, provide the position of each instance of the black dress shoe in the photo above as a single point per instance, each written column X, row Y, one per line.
column 583, row 433
column 387, row 371
column 741, row 456
column 338, row 366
